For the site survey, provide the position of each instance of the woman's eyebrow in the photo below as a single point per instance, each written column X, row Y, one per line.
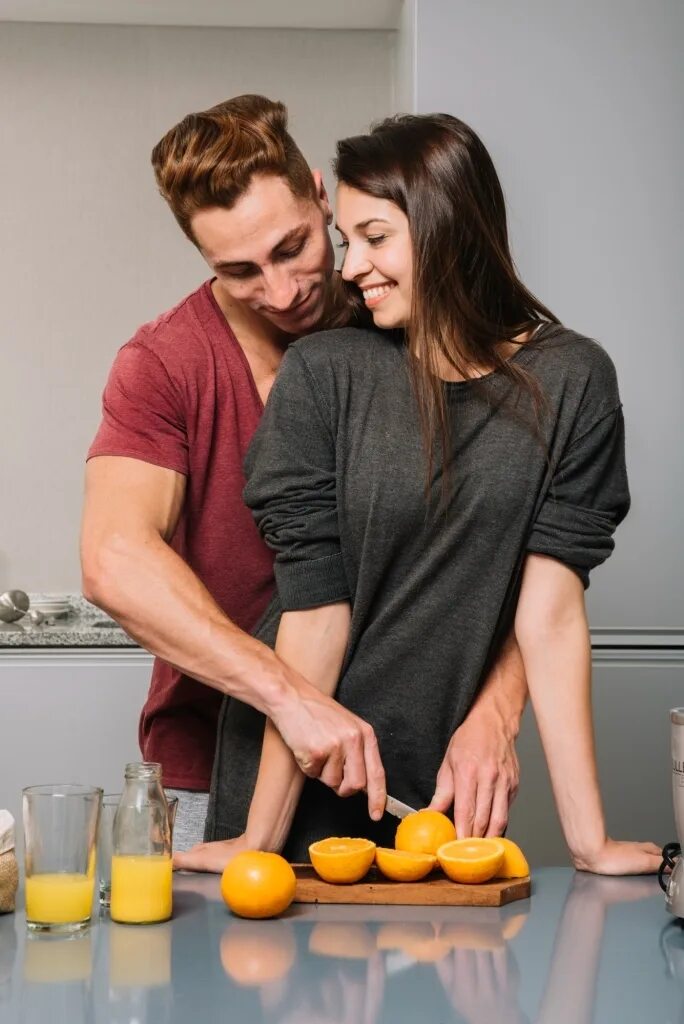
column 364, row 223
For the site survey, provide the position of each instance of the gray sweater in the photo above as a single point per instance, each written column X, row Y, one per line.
column 336, row 484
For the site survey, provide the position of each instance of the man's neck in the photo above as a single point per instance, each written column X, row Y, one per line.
column 251, row 330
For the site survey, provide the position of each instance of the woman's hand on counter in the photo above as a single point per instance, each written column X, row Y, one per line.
column 211, row 857
column 621, row 858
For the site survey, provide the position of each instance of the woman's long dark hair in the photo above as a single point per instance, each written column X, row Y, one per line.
column 467, row 296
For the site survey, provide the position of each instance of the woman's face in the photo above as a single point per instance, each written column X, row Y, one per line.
column 379, row 258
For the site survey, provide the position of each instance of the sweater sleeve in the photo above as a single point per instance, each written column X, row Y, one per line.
column 587, row 499
column 291, row 489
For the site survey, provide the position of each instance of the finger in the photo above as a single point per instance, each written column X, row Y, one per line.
column 333, row 770
column 443, row 798
column 376, row 783
column 486, row 785
column 354, row 771
column 211, row 857
column 310, row 762
column 465, row 794
column 498, row 818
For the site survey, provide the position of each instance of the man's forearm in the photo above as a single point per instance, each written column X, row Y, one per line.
column 162, row 604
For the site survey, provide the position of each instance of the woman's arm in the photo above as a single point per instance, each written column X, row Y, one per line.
column 315, row 641
column 553, row 634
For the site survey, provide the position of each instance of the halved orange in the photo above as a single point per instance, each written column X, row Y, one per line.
column 342, row 860
column 514, row 863
column 347, row 940
column 402, row 866
column 471, row 860
column 424, row 832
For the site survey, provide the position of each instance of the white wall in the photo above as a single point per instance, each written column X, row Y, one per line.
column 90, row 250
column 580, row 105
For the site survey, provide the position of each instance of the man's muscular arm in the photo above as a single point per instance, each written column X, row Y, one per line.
column 479, row 775
column 131, row 511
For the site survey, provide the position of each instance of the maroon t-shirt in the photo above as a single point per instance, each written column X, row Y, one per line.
column 181, row 395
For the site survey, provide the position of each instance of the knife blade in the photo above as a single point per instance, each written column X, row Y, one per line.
column 397, row 808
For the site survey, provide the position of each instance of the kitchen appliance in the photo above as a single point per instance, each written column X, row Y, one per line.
column 672, row 853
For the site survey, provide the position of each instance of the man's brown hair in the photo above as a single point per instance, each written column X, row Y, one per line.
column 209, row 158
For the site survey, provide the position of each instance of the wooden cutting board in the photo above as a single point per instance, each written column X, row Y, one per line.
column 432, row 891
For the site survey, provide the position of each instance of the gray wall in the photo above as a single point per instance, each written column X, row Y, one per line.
column 89, row 249
column 580, row 105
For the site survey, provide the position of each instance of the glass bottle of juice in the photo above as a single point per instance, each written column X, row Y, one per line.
column 142, row 872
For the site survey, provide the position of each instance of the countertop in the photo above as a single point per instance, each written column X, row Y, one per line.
column 582, row 950
column 85, row 626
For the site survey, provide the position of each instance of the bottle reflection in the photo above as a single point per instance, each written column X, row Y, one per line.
column 57, row 979
column 139, row 975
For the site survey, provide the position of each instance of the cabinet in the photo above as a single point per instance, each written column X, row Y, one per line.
column 68, row 717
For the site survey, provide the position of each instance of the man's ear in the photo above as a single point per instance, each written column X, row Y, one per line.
column 322, row 195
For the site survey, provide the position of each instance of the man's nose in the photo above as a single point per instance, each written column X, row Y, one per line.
column 281, row 289
column 355, row 265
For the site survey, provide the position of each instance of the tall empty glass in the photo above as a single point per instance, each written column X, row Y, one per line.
column 60, row 835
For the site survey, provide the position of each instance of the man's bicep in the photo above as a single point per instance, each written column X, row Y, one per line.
column 127, row 496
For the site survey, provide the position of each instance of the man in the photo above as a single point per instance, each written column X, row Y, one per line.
column 169, row 549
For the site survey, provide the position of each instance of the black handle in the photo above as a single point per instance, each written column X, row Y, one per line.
column 670, row 851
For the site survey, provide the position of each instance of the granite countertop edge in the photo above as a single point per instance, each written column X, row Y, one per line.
column 85, row 626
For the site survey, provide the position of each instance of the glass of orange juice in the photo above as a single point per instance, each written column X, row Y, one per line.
column 60, row 832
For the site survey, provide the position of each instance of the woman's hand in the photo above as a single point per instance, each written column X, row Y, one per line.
column 478, row 778
column 211, row 857
column 621, row 858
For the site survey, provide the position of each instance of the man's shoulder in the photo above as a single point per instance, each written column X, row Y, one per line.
column 177, row 327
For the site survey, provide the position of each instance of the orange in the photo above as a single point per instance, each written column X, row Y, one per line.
column 424, row 832
column 342, row 861
column 471, row 860
column 402, row 866
column 347, row 940
column 256, row 954
column 258, row 884
column 514, row 863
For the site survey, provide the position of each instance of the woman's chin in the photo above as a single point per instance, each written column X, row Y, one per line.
column 386, row 320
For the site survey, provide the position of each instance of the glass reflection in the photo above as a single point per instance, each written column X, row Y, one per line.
column 57, row 975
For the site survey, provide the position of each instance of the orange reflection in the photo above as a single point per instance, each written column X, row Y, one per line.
column 257, row 953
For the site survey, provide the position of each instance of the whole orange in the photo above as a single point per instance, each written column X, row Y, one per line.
column 258, row 884
column 424, row 832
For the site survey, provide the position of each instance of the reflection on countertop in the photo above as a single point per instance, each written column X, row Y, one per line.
column 84, row 626
column 582, row 950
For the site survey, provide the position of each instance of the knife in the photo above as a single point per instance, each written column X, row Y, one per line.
column 397, row 808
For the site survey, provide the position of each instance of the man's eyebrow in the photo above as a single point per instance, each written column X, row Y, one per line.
column 364, row 223
column 302, row 231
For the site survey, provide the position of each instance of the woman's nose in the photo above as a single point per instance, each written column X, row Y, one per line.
column 355, row 265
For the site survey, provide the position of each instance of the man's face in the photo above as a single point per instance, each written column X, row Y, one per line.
column 271, row 251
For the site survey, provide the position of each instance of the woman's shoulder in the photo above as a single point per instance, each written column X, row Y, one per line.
column 577, row 359
column 344, row 347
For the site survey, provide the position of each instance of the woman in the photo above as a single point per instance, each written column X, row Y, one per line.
column 426, row 488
